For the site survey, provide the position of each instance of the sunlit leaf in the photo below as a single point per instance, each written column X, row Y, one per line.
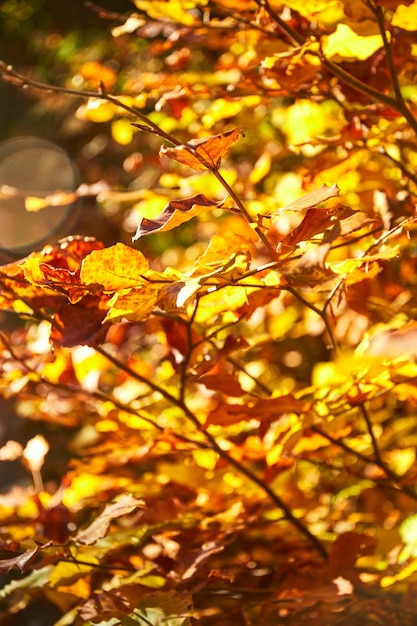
column 134, row 305
column 408, row 532
column 344, row 43
column 206, row 153
column 115, row 268
column 175, row 213
column 313, row 198
column 405, row 15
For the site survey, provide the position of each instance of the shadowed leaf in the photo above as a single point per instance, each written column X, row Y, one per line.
column 98, row 529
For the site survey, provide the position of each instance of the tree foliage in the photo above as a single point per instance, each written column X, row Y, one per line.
column 235, row 393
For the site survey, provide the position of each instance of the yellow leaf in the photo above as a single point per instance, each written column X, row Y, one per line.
column 345, row 44
column 406, row 17
column 324, row 11
column 96, row 110
column 62, row 198
column 261, row 168
column 115, row 268
column 306, row 120
column 221, row 109
column 135, row 305
column 67, row 573
column 122, row 131
column 178, row 11
column 206, row 459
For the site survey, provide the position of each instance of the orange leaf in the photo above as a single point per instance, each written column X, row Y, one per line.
column 202, row 154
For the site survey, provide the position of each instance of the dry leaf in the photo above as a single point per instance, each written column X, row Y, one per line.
column 98, row 529
column 203, row 154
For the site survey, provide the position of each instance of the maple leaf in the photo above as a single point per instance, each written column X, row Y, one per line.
column 202, row 154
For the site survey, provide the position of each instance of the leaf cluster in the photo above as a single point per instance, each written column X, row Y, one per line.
column 239, row 412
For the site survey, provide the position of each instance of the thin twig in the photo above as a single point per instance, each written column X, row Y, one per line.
column 332, row 67
column 240, row 467
column 401, row 103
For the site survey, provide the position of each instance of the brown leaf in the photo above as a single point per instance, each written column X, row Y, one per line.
column 219, row 379
column 81, row 323
column 21, row 561
column 293, row 70
column 175, row 213
column 192, row 560
column 345, row 551
column 264, row 410
column 98, row 529
column 203, row 154
column 59, row 279
column 315, row 221
column 103, row 605
column 36, row 280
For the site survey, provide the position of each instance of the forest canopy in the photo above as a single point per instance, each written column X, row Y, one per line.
column 208, row 330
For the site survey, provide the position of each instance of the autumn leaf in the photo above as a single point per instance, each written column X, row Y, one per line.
column 81, row 323
column 219, row 379
column 22, row 561
column 312, row 199
column 175, row 213
column 115, row 268
column 344, row 43
column 346, row 549
column 202, row 154
column 125, row 505
column 135, row 305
